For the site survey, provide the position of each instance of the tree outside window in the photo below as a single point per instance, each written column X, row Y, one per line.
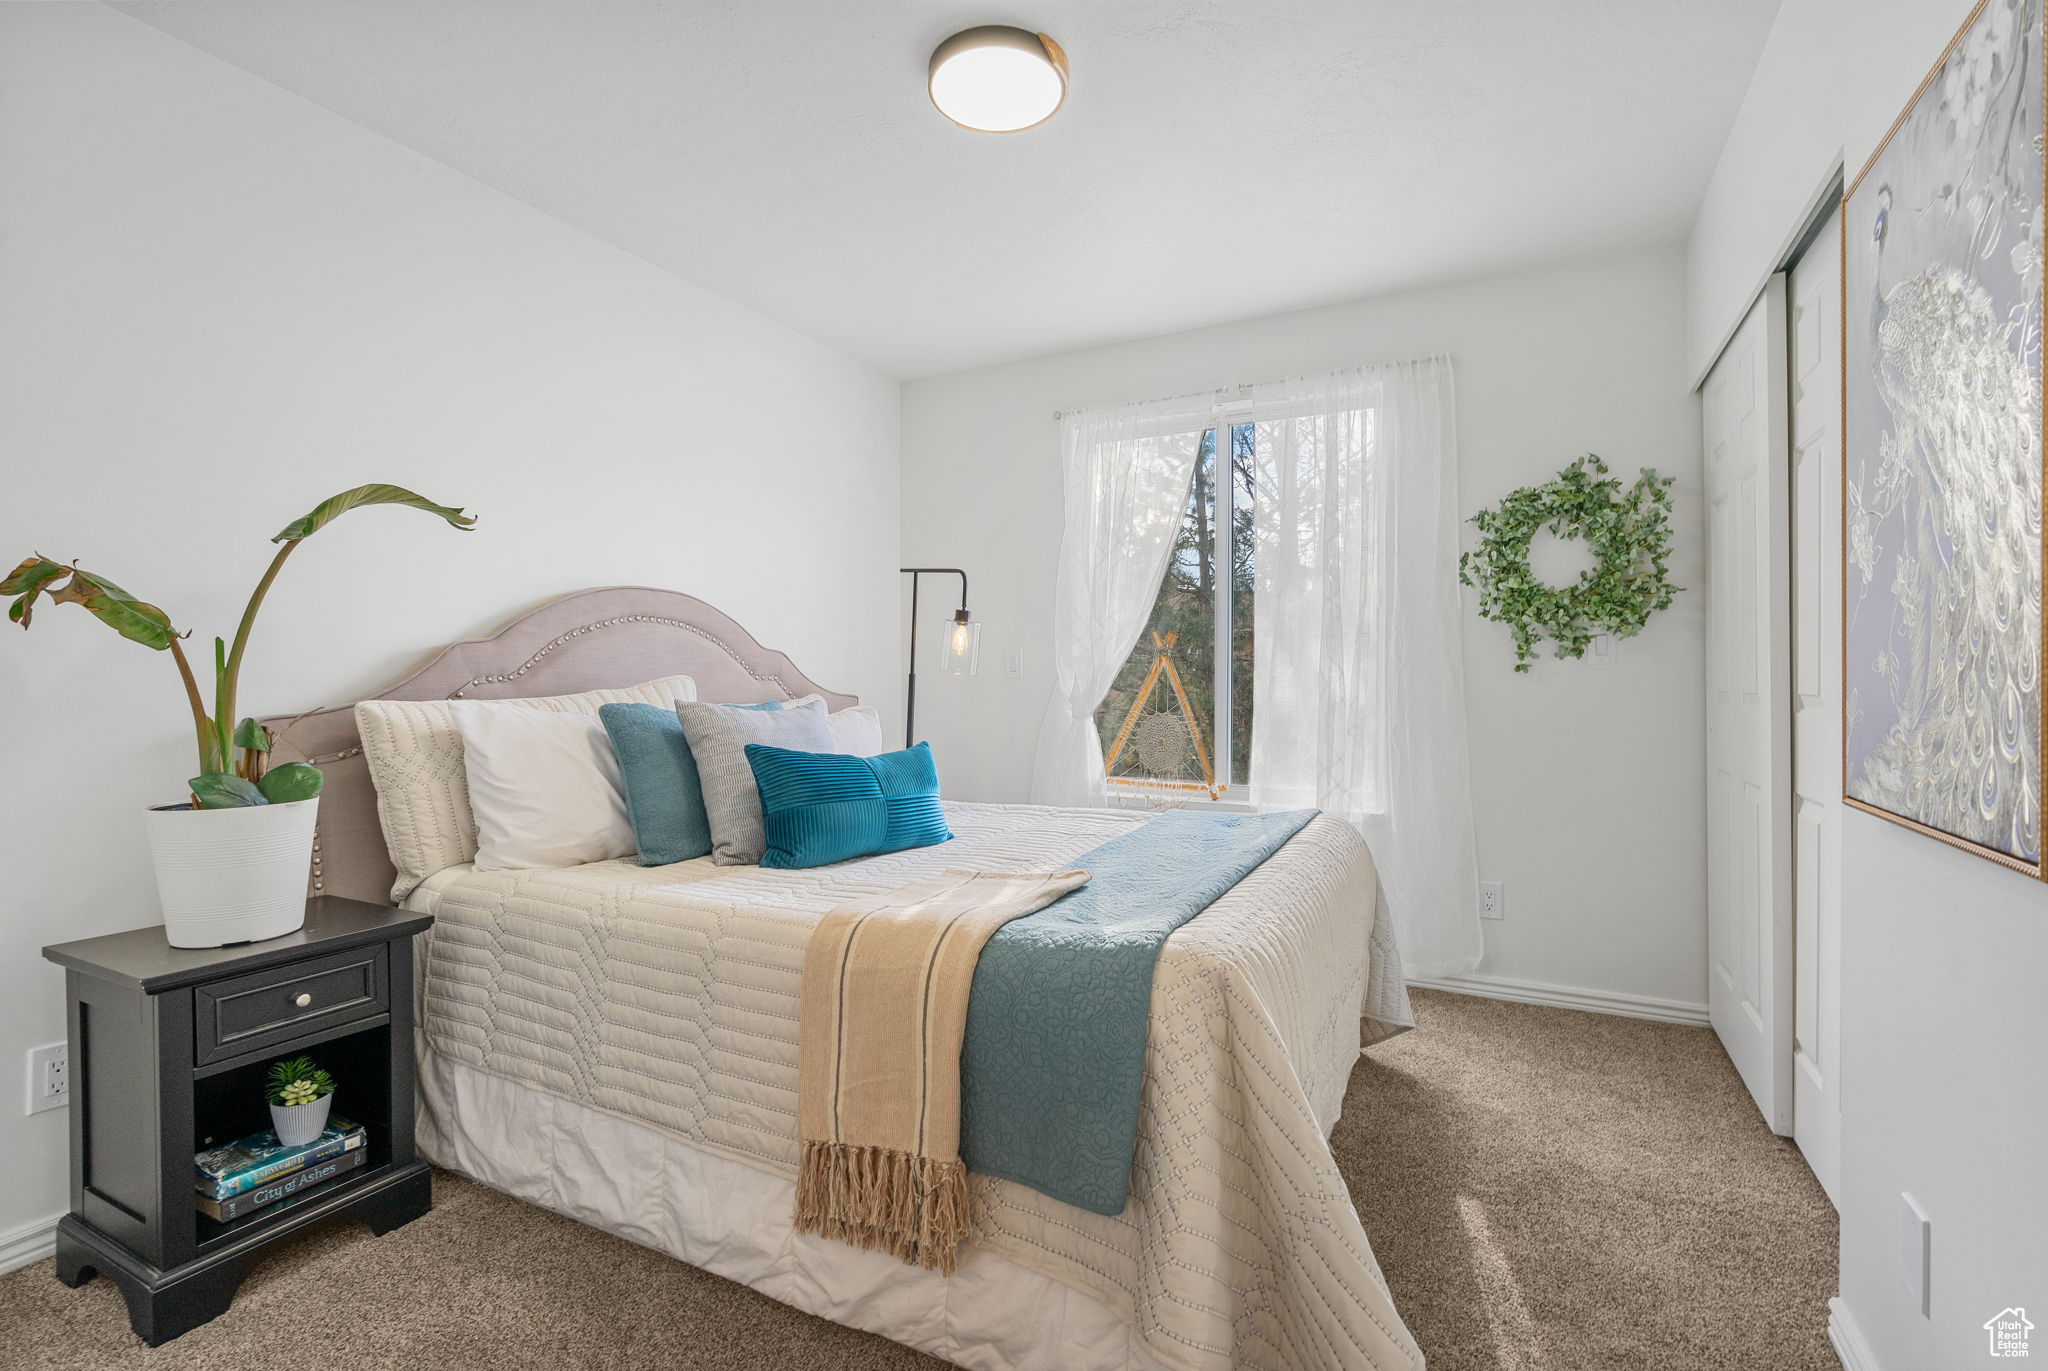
column 1157, row 737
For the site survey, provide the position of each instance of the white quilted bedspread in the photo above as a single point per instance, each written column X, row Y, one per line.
column 668, row 995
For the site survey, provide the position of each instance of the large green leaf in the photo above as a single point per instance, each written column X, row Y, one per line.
column 291, row 781
column 327, row 511
column 136, row 620
column 225, row 790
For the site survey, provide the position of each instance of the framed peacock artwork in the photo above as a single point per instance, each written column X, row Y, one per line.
column 1942, row 624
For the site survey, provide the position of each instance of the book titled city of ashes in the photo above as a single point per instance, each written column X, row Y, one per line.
column 270, row 1192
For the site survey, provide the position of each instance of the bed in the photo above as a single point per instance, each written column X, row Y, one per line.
column 619, row 1043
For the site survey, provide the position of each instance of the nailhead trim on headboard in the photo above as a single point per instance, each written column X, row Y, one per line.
column 324, row 758
column 533, row 661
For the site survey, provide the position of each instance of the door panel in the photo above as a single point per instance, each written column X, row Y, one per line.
column 1749, row 866
column 1816, row 396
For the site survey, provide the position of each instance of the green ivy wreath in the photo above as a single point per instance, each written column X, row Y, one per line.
column 1628, row 532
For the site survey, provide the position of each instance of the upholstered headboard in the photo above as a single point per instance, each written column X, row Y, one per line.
column 592, row 640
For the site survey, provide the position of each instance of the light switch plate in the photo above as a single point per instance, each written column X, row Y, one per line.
column 1916, row 1251
column 1013, row 663
column 1600, row 652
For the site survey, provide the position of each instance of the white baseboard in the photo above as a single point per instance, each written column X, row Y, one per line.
column 1848, row 1339
column 1570, row 997
column 29, row 1243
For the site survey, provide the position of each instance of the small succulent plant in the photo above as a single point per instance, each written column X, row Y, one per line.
column 297, row 1081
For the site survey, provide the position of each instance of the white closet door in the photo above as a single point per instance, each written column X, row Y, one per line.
column 1749, row 697
column 1816, row 306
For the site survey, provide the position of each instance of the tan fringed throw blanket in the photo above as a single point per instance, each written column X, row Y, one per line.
column 879, row 1030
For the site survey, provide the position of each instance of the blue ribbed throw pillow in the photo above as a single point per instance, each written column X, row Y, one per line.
column 664, row 797
column 822, row 807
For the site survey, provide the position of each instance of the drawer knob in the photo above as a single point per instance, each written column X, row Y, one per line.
column 303, row 998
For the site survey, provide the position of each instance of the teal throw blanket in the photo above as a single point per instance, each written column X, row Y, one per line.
column 1054, row 1060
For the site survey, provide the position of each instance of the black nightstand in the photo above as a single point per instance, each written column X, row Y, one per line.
column 169, row 1047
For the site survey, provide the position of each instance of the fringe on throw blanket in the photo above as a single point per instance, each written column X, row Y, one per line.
column 879, row 1031
column 911, row 1207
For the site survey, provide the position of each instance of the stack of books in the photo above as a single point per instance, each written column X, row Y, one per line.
column 259, row 1170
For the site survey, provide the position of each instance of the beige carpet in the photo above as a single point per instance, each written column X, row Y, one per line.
column 1555, row 1191
column 1547, row 1191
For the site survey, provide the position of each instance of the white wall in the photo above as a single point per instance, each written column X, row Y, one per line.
column 1829, row 84
column 219, row 304
column 1588, row 779
column 1944, row 1023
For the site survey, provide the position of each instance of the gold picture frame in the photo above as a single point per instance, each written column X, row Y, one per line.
column 1958, row 748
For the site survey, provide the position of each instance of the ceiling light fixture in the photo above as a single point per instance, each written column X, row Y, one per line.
column 998, row 79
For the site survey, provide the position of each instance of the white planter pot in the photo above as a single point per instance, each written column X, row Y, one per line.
column 232, row 875
column 298, row 1124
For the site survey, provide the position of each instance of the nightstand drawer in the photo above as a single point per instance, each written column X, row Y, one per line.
column 252, row 1012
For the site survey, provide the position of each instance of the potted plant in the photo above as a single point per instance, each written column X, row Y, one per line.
column 300, row 1095
column 231, row 860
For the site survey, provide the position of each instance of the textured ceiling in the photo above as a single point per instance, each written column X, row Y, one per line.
column 1216, row 159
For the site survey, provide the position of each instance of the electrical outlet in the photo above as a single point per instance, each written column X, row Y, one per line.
column 1013, row 663
column 1916, row 1251
column 49, row 1077
column 1493, row 900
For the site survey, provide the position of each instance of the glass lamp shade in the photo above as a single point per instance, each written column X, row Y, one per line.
column 998, row 79
column 959, row 646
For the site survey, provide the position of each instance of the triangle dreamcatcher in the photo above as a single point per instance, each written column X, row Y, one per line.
column 1159, row 746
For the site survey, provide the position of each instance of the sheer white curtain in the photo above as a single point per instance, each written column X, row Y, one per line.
column 1358, row 683
column 1358, row 675
column 1127, row 469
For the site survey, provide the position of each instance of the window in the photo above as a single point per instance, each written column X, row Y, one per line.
column 1188, row 682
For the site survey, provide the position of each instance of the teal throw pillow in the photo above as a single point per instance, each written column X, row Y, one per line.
column 823, row 807
column 664, row 797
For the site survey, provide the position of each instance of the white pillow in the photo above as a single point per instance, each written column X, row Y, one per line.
column 544, row 788
column 856, row 730
column 414, row 751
